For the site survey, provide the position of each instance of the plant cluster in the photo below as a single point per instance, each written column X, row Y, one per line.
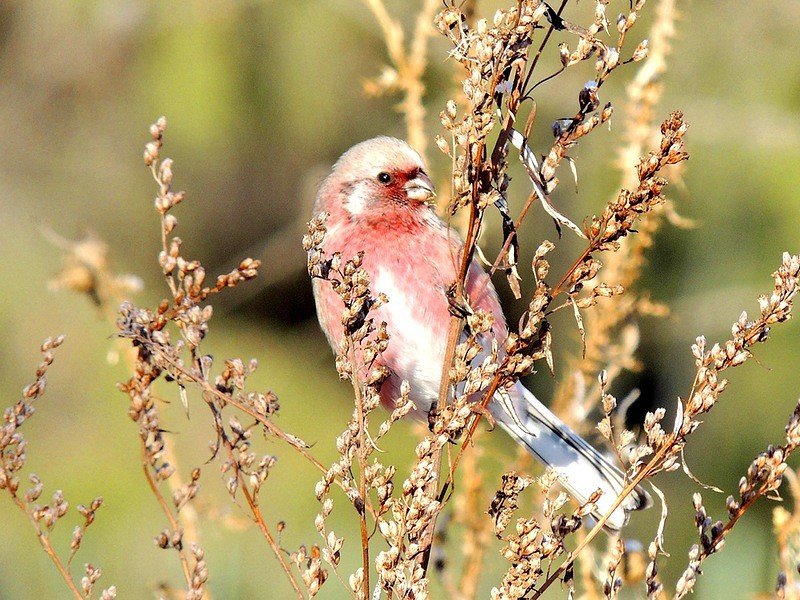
column 406, row 527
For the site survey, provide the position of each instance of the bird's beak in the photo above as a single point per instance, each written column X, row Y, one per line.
column 420, row 189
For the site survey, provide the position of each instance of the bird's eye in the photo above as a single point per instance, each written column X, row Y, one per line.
column 385, row 178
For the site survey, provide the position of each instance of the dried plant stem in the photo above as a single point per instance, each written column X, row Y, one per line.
column 615, row 223
column 258, row 517
column 206, row 387
column 639, row 478
column 44, row 540
column 476, row 529
column 469, row 438
column 164, row 188
column 107, row 293
column 745, row 506
column 62, row 570
column 188, row 312
column 497, row 380
column 764, row 476
column 455, row 329
column 410, row 65
column 559, row 289
column 666, row 448
column 13, row 457
column 362, row 483
column 185, row 518
column 454, row 332
column 789, row 528
column 609, row 343
column 542, row 46
column 187, row 515
column 532, row 197
column 173, row 522
column 484, row 172
column 514, row 98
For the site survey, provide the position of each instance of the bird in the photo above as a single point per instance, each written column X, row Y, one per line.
column 378, row 199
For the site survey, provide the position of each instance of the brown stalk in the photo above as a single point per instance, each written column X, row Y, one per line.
column 258, row 517
column 271, row 427
column 783, row 533
column 595, row 243
column 457, row 322
column 476, row 529
column 542, row 45
column 252, row 503
column 735, row 518
column 108, row 298
column 206, row 387
column 640, row 476
column 410, row 64
column 48, row 547
column 645, row 472
column 187, row 516
column 173, row 522
column 362, row 483
column 497, row 380
column 471, row 239
column 532, row 197
column 624, row 267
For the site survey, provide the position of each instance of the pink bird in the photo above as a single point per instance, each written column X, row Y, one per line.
column 378, row 197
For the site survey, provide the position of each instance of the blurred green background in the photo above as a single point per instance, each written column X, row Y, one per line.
column 261, row 98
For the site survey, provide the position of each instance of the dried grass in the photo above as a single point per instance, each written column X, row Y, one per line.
column 399, row 508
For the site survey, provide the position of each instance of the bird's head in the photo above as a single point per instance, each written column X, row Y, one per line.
column 380, row 175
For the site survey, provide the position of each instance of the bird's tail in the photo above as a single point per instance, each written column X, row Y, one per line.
column 581, row 469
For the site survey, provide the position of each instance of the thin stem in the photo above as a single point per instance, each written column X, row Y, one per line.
column 163, row 189
column 258, row 517
column 454, row 332
column 165, row 508
column 648, row 470
column 640, row 476
column 207, row 387
column 410, row 64
column 782, row 536
column 45, row 542
column 362, row 483
column 542, row 46
column 255, row 510
column 48, row 548
column 578, row 262
column 187, row 515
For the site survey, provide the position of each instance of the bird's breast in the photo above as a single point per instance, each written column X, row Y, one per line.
column 416, row 319
column 413, row 269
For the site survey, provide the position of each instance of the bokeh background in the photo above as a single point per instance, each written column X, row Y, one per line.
column 261, row 98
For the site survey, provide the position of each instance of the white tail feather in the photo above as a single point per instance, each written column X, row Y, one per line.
column 581, row 469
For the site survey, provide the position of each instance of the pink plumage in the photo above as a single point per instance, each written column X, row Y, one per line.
column 378, row 198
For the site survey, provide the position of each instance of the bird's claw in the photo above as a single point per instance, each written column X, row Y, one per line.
column 457, row 307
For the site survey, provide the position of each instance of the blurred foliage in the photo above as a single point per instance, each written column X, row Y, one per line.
column 261, row 98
